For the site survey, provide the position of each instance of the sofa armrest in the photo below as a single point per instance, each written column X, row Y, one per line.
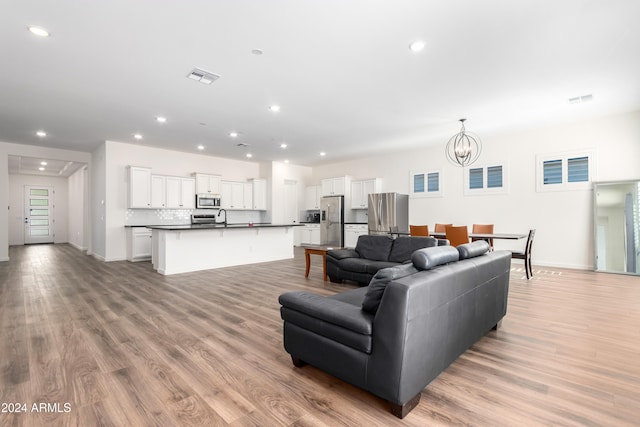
column 339, row 313
column 343, row 253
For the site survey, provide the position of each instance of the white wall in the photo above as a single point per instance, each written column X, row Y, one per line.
column 113, row 185
column 7, row 149
column 282, row 172
column 60, row 198
column 564, row 220
column 78, row 209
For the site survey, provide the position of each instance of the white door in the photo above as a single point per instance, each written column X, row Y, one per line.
column 38, row 214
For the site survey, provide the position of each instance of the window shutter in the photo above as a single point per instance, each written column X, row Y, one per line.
column 578, row 169
column 552, row 172
column 433, row 182
column 494, row 177
column 475, row 178
column 418, row 183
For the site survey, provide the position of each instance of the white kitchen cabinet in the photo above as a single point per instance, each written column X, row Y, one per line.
column 259, row 194
column 334, row 186
column 139, row 187
column 180, row 192
column 310, row 234
column 360, row 191
column 247, row 195
column 138, row 244
column 158, row 191
column 312, row 196
column 207, row 183
column 352, row 232
column 232, row 195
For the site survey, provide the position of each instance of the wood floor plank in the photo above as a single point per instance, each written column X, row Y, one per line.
column 124, row 345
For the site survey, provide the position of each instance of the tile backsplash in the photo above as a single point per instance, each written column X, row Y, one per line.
column 183, row 216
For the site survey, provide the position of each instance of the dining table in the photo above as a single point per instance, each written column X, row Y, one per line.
column 483, row 236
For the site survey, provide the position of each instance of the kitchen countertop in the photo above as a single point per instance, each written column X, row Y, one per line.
column 218, row 226
column 356, row 223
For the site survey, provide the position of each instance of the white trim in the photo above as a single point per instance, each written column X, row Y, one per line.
column 484, row 191
column 426, row 193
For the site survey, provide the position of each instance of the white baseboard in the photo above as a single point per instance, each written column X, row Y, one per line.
column 80, row 248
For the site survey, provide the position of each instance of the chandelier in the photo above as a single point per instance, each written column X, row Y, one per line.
column 464, row 147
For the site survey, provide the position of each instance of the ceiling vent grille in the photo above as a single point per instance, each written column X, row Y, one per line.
column 579, row 99
column 203, row 76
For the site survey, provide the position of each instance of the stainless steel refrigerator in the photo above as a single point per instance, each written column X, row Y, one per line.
column 388, row 211
column 332, row 221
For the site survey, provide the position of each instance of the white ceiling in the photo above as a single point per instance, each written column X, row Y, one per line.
column 341, row 71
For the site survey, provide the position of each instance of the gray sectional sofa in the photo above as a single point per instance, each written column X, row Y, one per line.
column 396, row 335
column 373, row 253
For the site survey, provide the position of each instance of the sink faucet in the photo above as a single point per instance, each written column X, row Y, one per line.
column 225, row 216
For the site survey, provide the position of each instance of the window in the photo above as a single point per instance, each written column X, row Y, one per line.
column 566, row 171
column 485, row 180
column 426, row 184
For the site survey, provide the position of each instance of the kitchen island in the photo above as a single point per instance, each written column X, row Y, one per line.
column 186, row 248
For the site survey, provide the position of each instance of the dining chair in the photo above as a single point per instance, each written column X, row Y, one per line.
column 483, row 229
column 442, row 228
column 457, row 235
column 526, row 255
column 419, row 230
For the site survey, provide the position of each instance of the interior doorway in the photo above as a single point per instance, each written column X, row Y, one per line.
column 39, row 217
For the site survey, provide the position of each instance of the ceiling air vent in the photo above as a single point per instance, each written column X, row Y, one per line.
column 241, row 144
column 579, row 99
column 202, row 76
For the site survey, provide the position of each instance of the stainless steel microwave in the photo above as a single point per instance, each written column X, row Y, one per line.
column 207, row 201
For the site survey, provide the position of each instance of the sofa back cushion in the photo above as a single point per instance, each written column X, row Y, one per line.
column 375, row 248
column 427, row 258
column 473, row 249
column 379, row 282
column 403, row 247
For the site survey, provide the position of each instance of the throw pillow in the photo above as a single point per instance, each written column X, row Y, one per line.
column 473, row 249
column 427, row 258
column 379, row 282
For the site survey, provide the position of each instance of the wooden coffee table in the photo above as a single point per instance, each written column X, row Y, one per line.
column 317, row 250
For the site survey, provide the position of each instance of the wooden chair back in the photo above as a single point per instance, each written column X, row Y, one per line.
column 457, row 235
column 526, row 255
column 419, row 230
column 485, row 229
column 442, row 228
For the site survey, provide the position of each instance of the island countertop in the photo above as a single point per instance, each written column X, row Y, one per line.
column 179, row 227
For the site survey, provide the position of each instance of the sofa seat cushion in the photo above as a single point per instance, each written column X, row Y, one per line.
column 428, row 258
column 376, row 248
column 403, row 247
column 340, row 321
column 378, row 284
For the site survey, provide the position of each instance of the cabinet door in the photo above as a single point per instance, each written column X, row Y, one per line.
column 158, row 191
column 139, row 187
column 225, row 195
column 311, row 199
column 357, row 188
column 173, row 187
column 141, row 244
column 327, row 187
column 315, row 235
column 338, row 186
column 187, row 193
column 247, row 195
column 260, row 194
column 202, row 183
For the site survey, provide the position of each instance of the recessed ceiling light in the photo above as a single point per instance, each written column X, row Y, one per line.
column 322, row 153
column 249, row 155
column 274, row 108
column 43, row 163
column 161, row 119
column 40, row 168
column 41, row 133
column 39, row 31
column 137, row 136
column 233, row 134
column 286, row 160
column 283, row 145
column 257, row 52
column 200, row 147
column 417, row 46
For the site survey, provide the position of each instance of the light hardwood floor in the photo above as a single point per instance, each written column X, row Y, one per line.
column 125, row 346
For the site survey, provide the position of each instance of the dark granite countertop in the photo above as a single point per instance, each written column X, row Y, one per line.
column 218, row 226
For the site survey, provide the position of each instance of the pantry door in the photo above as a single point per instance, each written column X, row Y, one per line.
column 38, row 214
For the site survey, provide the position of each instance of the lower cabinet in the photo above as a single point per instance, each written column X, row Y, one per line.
column 138, row 244
column 309, row 234
column 352, row 232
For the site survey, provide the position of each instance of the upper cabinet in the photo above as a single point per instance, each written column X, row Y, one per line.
column 259, row 187
column 335, row 186
column 139, row 187
column 180, row 192
column 206, row 183
column 158, row 191
column 312, row 196
column 360, row 191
